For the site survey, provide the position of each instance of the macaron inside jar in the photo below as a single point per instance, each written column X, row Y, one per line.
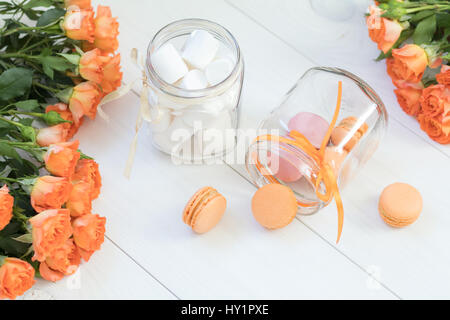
column 311, row 125
column 285, row 165
column 343, row 130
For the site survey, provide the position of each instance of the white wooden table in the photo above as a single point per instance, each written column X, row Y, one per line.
column 150, row 254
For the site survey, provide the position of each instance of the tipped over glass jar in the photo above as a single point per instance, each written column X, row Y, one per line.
column 195, row 71
column 320, row 143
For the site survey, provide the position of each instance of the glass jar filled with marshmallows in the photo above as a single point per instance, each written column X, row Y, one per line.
column 195, row 73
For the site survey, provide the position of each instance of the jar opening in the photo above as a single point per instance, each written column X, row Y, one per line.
column 277, row 162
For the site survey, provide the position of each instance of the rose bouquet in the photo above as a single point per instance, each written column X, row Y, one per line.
column 413, row 38
column 57, row 62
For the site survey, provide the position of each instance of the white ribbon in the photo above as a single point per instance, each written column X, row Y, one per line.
column 144, row 111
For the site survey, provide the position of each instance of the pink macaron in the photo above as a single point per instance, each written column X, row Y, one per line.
column 285, row 166
column 311, row 125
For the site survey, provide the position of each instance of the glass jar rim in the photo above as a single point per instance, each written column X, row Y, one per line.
column 365, row 87
column 173, row 90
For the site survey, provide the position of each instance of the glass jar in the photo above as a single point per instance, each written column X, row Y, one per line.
column 194, row 125
column 308, row 108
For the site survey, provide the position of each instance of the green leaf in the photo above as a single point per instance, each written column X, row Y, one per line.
column 28, row 133
column 72, row 58
column 443, row 19
column 14, row 83
column 84, row 156
column 8, row 151
column 425, row 30
column 26, row 121
column 64, row 95
column 13, row 227
column 50, row 63
column 53, row 118
column 31, row 14
column 50, row 16
column 12, row 247
column 37, row 3
column 383, row 55
column 27, row 105
column 25, row 238
column 422, row 15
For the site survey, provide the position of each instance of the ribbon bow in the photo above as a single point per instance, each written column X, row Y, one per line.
column 326, row 174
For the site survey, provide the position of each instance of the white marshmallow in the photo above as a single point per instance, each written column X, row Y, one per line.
column 194, row 80
column 218, row 70
column 224, row 53
column 193, row 117
column 162, row 121
column 218, row 137
column 213, row 106
column 200, row 49
column 168, row 63
column 177, row 133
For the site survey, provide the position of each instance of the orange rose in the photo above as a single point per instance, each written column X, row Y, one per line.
column 407, row 63
column 91, row 65
column 50, row 230
column 62, row 261
column 50, row 193
column 89, row 232
column 87, row 171
column 106, row 30
column 435, row 100
column 64, row 112
column 408, row 99
column 84, row 100
column 85, row 255
column 112, row 77
column 80, row 202
column 51, row 135
column 6, row 206
column 444, row 76
column 48, row 274
column 435, row 128
column 383, row 31
column 78, row 4
column 61, row 158
column 16, row 277
column 79, row 25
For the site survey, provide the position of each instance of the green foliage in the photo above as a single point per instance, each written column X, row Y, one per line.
column 14, row 83
column 7, row 151
column 425, row 30
column 53, row 118
column 27, row 105
column 49, row 17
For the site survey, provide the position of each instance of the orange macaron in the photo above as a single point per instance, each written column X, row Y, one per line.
column 400, row 204
column 274, row 205
column 341, row 131
column 204, row 210
column 335, row 157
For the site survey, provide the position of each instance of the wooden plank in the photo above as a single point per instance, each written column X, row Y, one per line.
column 110, row 274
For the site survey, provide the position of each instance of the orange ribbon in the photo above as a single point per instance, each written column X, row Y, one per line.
column 326, row 174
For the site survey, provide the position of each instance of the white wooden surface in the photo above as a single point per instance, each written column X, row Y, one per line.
column 150, row 253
